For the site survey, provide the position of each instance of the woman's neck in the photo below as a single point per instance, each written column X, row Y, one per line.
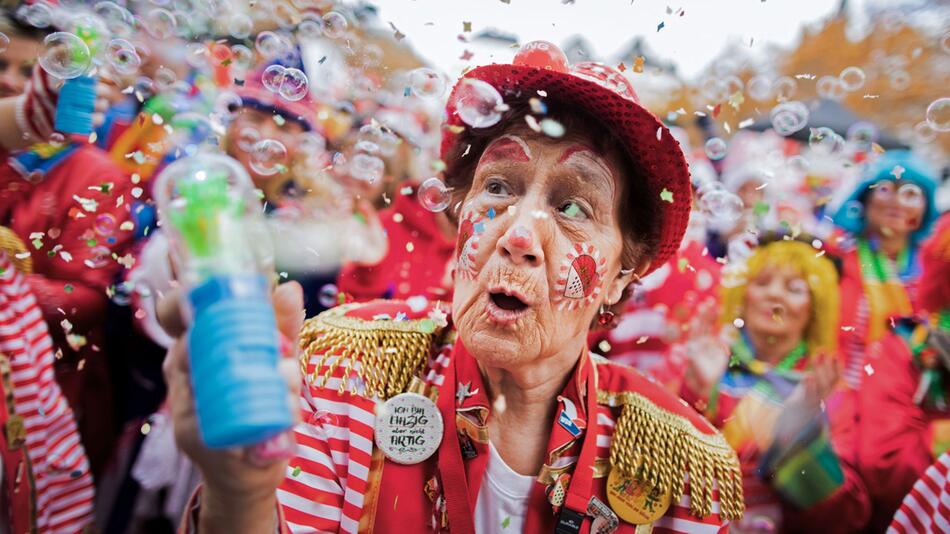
column 891, row 244
column 772, row 349
column 524, row 405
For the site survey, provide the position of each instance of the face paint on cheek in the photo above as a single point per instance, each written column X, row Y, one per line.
column 580, row 278
column 467, row 245
column 507, row 148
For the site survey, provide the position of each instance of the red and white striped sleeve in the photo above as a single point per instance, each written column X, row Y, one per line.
column 327, row 479
column 927, row 507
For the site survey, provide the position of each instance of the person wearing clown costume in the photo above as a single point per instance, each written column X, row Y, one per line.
column 773, row 392
column 515, row 425
column 888, row 214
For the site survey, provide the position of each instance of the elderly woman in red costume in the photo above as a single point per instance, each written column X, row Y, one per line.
column 765, row 394
column 514, row 425
column 904, row 422
column 888, row 214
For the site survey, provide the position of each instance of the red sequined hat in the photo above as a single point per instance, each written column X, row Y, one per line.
column 605, row 94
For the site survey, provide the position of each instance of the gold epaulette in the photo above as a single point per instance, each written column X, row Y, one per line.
column 661, row 448
column 383, row 353
column 13, row 246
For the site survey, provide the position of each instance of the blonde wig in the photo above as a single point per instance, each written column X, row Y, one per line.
column 818, row 271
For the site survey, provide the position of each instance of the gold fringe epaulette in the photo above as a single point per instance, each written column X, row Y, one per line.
column 661, row 448
column 384, row 354
column 13, row 246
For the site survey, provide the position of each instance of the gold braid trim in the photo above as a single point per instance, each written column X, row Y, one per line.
column 389, row 353
column 660, row 448
column 13, row 245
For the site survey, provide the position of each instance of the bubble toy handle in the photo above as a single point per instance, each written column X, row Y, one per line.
column 207, row 205
column 77, row 102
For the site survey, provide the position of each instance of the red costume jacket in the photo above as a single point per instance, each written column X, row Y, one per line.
column 405, row 271
column 897, row 437
column 79, row 203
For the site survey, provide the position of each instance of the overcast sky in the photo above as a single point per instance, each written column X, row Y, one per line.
column 691, row 40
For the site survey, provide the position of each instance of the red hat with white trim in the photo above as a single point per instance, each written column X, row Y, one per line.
column 606, row 95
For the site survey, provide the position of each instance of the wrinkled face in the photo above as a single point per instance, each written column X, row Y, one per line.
column 777, row 302
column 539, row 247
column 894, row 208
column 16, row 64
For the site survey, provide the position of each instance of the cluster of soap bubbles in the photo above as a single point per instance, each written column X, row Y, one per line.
column 789, row 117
column 289, row 82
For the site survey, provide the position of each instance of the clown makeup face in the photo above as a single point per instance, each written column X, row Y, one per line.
column 777, row 303
column 895, row 208
column 539, row 248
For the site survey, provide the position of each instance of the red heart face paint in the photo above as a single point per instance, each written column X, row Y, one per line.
column 507, row 148
column 467, row 245
column 580, row 278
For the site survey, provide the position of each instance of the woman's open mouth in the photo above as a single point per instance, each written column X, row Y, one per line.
column 504, row 307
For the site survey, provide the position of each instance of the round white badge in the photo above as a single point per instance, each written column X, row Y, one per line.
column 408, row 428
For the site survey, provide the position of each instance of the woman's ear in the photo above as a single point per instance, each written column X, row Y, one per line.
column 623, row 279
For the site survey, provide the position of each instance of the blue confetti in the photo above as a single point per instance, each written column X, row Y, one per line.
column 490, row 213
column 660, row 26
column 479, row 227
column 406, row 92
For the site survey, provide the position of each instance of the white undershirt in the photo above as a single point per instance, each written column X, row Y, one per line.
column 502, row 499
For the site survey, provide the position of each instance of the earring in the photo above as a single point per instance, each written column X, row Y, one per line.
column 606, row 318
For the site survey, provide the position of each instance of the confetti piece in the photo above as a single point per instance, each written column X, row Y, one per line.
column 642, row 339
column 898, row 171
column 621, row 67
column 466, row 26
column 868, row 369
column 666, row 195
column 490, row 213
column 505, row 522
column 296, row 471
column 398, row 35
column 660, row 26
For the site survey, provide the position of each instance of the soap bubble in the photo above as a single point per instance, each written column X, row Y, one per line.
column 160, row 23
column 65, row 56
column 273, row 77
column 434, row 195
column 721, row 206
column 117, row 19
column 242, row 57
column 852, row 78
column 334, row 25
column 854, row 209
column 227, row 105
column 144, row 88
column 366, row 147
column 310, row 28
column 122, row 56
column 830, row 88
column 900, row 80
column 328, row 296
column 366, row 167
column 789, row 117
column 911, row 196
column 478, row 104
column 247, row 138
column 759, row 88
column 311, row 144
column 4, row 42
column 924, row 133
column 784, row 88
column 798, row 164
column 268, row 157
column 294, row 85
column 165, row 78
column 240, row 26
column 825, row 141
column 39, row 15
column 945, row 42
column 715, row 149
column 426, row 83
column 938, row 114
column 272, row 45
column 384, row 140
column 862, row 133
column 714, row 89
column 105, row 224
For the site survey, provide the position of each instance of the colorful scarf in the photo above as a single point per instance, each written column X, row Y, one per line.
column 750, row 399
column 883, row 287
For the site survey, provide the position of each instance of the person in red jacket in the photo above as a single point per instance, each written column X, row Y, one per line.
column 904, row 413
column 418, row 259
column 70, row 202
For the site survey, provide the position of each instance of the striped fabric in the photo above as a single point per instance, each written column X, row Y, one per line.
column 326, row 481
column 36, row 107
column 927, row 507
column 61, row 472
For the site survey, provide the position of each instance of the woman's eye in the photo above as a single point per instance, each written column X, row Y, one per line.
column 572, row 209
column 496, row 188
